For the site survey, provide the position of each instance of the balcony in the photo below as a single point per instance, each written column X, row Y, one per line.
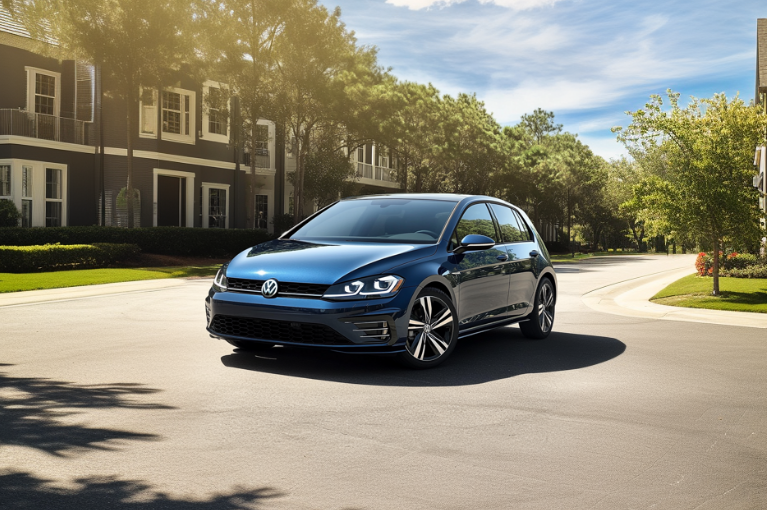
column 44, row 127
column 262, row 156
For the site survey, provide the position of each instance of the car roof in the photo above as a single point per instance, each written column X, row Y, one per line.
column 450, row 197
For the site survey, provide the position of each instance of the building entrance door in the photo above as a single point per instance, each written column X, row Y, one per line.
column 170, row 201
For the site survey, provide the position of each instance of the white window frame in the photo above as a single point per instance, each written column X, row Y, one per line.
column 32, row 73
column 205, row 206
column 38, row 188
column 181, row 138
column 189, row 193
column 141, row 114
column 206, row 134
column 271, row 130
column 269, row 208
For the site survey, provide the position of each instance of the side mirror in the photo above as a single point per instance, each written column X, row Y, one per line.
column 474, row 242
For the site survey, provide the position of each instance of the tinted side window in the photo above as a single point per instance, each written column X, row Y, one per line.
column 528, row 235
column 476, row 220
column 512, row 230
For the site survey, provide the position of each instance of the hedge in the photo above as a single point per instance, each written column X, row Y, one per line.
column 190, row 242
column 49, row 257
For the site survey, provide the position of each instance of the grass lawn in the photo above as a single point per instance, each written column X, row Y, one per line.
column 12, row 282
column 738, row 294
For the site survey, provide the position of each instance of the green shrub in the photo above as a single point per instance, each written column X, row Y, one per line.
column 190, row 242
column 9, row 214
column 50, row 257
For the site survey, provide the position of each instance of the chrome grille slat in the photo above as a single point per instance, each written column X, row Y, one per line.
column 292, row 289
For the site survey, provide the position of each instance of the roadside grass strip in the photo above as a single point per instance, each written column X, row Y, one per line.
column 585, row 256
column 13, row 282
column 738, row 294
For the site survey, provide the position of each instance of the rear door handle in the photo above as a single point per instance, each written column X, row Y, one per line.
column 502, row 258
column 534, row 253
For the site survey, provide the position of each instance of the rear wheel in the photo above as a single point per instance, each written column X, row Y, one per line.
column 432, row 332
column 541, row 319
column 251, row 346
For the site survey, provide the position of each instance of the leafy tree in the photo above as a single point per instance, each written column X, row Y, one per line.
column 313, row 50
column 327, row 172
column 704, row 187
column 135, row 43
column 238, row 43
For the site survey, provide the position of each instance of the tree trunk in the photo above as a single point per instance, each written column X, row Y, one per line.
column 716, row 267
column 251, row 202
column 129, row 186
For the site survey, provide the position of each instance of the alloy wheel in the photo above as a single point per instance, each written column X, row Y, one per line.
column 546, row 308
column 430, row 331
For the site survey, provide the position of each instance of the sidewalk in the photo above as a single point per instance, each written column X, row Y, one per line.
column 65, row 294
column 631, row 299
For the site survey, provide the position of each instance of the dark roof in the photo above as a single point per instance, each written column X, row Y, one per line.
column 10, row 25
column 761, row 56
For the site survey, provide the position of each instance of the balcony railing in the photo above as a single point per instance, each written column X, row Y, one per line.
column 262, row 156
column 45, row 127
column 385, row 174
column 364, row 170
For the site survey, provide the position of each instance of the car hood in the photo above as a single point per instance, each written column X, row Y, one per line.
column 289, row 260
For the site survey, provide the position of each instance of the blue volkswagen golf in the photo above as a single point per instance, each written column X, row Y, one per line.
column 408, row 274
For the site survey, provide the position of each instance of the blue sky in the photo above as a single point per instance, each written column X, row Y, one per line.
column 588, row 61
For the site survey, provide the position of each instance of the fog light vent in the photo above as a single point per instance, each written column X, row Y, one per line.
column 378, row 330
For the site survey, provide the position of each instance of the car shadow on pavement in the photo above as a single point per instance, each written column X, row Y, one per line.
column 23, row 490
column 36, row 413
column 491, row 356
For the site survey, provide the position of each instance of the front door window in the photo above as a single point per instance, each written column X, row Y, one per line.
column 262, row 211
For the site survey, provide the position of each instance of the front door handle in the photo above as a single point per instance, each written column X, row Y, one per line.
column 534, row 253
column 502, row 258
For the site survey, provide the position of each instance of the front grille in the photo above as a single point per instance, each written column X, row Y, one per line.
column 287, row 289
column 282, row 331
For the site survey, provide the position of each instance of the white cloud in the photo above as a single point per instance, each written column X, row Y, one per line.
column 606, row 146
column 517, row 5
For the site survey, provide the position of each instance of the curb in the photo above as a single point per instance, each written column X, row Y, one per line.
column 631, row 298
column 68, row 293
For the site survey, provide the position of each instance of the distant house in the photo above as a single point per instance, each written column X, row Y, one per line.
column 63, row 149
column 760, row 97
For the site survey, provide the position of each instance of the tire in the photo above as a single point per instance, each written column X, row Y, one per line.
column 251, row 346
column 432, row 331
column 541, row 320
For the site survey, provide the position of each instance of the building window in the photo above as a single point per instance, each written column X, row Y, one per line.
column 53, row 197
column 45, row 94
column 178, row 115
column 5, row 181
column 216, row 208
column 26, row 196
column 148, row 113
column 361, row 154
column 262, row 211
column 43, row 90
column 215, row 116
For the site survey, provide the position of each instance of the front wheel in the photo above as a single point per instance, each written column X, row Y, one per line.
column 540, row 321
column 432, row 331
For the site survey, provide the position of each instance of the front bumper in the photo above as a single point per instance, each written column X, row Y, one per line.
column 364, row 326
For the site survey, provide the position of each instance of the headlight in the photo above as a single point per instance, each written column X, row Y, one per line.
column 365, row 288
column 219, row 282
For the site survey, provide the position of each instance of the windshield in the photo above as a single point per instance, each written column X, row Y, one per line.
column 380, row 220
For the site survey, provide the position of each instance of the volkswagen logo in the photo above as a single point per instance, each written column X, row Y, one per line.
column 269, row 288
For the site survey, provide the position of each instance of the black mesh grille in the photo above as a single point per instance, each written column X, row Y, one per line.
column 313, row 289
column 267, row 329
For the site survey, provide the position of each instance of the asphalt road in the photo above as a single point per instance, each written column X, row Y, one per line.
column 124, row 402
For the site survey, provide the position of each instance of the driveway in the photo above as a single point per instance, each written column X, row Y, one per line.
column 123, row 401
